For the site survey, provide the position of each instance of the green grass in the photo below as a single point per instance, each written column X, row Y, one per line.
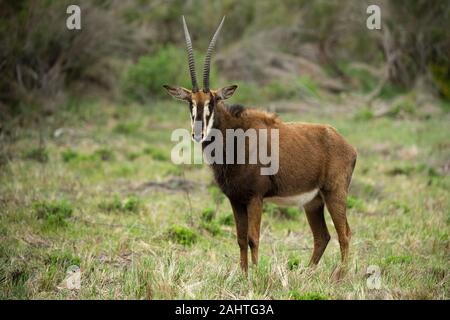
column 110, row 201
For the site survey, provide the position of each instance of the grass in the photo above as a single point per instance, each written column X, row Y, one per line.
column 99, row 197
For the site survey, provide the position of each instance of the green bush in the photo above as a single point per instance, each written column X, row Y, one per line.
column 294, row 294
column 405, row 106
column 131, row 204
column 156, row 153
column 227, row 220
column 290, row 212
column 182, row 235
column 103, row 154
column 402, row 259
column 133, row 155
column 216, row 194
column 363, row 114
column 307, row 86
column 63, row 259
column 39, row 154
column 54, row 213
column 111, row 205
column 293, row 262
column 281, row 212
column 69, row 155
column 212, row 227
column 247, row 93
column 355, row 203
column 276, row 90
column 126, row 128
column 146, row 78
column 208, row 214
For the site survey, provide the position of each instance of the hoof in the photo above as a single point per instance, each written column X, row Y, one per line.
column 338, row 274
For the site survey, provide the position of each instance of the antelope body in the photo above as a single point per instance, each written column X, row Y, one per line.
column 315, row 166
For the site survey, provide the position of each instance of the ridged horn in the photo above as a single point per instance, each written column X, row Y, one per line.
column 191, row 60
column 207, row 65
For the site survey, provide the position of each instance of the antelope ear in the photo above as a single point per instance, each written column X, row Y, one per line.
column 178, row 92
column 226, row 92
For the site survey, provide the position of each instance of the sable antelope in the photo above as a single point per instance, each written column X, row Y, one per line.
column 315, row 165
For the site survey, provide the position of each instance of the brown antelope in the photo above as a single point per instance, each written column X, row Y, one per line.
column 315, row 165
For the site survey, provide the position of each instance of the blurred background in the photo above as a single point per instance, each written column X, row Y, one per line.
column 291, row 49
column 85, row 171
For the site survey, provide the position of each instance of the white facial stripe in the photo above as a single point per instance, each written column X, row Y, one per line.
column 205, row 115
column 194, row 114
column 209, row 127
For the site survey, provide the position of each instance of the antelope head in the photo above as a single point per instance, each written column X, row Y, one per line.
column 202, row 103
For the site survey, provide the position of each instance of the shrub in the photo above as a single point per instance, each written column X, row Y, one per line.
column 294, row 294
column 276, row 90
column 293, row 262
column 403, row 107
column 111, row 205
column 146, row 78
column 364, row 114
column 270, row 208
column 133, row 155
column 69, row 155
column 131, row 204
column 227, row 220
column 103, row 154
column 126, row 128
column 54, row 213
column 290, row 212
column 41, row 57
column 216, row 194
column 308, row 87
column 281, row 212
column 392, row 259
column 39, row 154
column 156, row 154
column 63, row 259
column 208, row 214
column 247, row 93
column 212, row 227
column 355, row 203
column 182, row 235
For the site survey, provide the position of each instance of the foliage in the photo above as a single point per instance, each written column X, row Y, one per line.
column 130, row 204
column 281, row 212
column 227, row 219
column 54, row 213
column 69, row 155
column 208, row 214
column 156, row 153
column 212, row 227
column 355, row 203
column 40, row 57
column 293, row 262
column 307, row 295
column 146, row 78
column 216, row 194
column 182, row 235
column 39, row 154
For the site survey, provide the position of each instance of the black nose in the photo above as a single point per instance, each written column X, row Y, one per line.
column 197, row 137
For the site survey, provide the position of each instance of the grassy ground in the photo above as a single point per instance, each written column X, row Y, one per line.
column 94, row 186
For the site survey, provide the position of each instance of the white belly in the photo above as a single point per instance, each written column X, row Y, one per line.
column 297, row 200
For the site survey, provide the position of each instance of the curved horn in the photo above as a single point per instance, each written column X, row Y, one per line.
column 191, row 60
column 207, row 64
